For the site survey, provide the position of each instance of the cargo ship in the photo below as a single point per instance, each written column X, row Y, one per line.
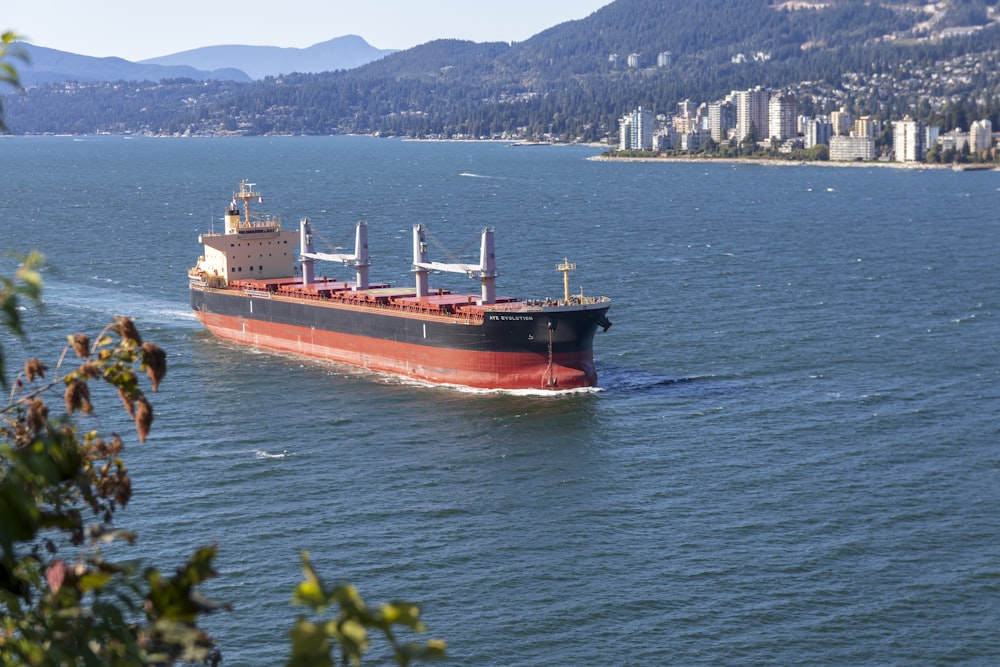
column 257, row 284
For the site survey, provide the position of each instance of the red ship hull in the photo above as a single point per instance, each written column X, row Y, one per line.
column 471, row 368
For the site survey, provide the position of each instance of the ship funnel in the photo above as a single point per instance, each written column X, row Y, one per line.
column 232, row 218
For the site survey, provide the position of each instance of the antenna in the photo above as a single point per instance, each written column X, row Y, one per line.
column 566, row 267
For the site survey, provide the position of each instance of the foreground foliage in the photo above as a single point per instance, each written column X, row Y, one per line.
column 311, row 639
column 62, row 601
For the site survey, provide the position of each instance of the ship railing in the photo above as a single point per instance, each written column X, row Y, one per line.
column 261, row 220
column 580, row 300
column 535, row 305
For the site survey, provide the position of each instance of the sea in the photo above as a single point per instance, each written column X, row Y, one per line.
column 792, row 456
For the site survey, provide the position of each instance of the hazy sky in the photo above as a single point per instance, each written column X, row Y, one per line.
column 139, row 29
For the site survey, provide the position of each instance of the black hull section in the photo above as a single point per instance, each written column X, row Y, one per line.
column 572, row 328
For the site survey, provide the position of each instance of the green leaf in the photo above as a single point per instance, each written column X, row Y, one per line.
column 354, row 634
column 310, row 646
column 21, row 517
column 403, row 613
column 94, row 581
column 310, row 593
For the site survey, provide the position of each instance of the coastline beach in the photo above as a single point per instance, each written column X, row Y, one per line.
column 774, row 162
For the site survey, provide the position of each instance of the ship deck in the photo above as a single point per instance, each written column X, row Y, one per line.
column 442, row 303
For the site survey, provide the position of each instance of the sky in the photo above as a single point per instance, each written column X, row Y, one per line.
column 140, row 29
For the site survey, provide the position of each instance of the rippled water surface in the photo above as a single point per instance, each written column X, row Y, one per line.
column 793, row 457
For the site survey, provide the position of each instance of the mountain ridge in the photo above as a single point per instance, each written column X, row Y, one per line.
column 45, row 65
column 232, row 62
column 340, row 53
column 875, row 57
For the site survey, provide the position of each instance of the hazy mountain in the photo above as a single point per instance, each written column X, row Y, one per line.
column 887, row 58
column 340, row 53
column 49, row 66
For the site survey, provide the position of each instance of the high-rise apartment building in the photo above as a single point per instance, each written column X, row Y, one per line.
column 981, row 135
column 635, row 131
column 908, row 140
column 751, row 112
column 782, row 116
column 841, row 121
column 721, row 119
column 864, row 126
column 817, row 131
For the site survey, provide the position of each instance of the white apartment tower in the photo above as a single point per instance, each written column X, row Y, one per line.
column 980, row 135
column 636, row 131
column 818, row 131
column 751, row 110
column 907, row 140
column 721, row 119
column 851, row 148
column 782, row 116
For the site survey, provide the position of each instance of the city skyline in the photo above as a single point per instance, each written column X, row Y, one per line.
column 771, row 116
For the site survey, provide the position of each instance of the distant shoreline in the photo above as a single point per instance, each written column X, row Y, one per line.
column 774, row 162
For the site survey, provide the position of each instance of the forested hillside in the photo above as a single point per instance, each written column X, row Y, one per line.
column 563, row 83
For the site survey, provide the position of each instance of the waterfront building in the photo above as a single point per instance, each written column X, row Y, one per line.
column 908, row 140
column 849, row 149
column 751, row 111
column 636, row 131
column 791, row 145
column 665, row 138
column 664, row 58
column 841, row 121
column 721, row 119
column 954, row 141
column 693, row 140
column 980, row 136
column 864, row 126
column 782, row 110
column 687, row 118
column 817, row 131
column 634, row 60
column 931, row 133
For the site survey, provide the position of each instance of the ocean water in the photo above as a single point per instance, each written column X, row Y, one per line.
column 793, row 456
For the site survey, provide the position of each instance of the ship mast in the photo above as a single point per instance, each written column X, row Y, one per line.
column 360, row 260
column 246, row 193
column 566, row 267
column 485, row 271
